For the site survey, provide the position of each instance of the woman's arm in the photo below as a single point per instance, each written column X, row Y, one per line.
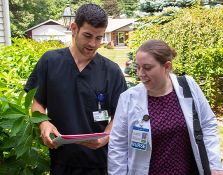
column 118, row 142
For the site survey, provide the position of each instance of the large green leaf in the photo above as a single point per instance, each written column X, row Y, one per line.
column 24, row 133
column 29, row 98
column 38, row 117
column 7, row 124
column 36, row 133
column 32, row 157
column 16, row 108
column 8, row 143
column 12, row 116
column 24, row 147
column 20, row 97
column 17, row 126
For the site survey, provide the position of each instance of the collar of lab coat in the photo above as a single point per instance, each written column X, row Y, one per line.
column 185, row 103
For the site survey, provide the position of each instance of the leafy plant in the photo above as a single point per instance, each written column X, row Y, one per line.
column 197, row 36
column 20, row 148
column 18, row 60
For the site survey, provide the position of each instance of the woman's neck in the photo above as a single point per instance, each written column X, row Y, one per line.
column 165, row 89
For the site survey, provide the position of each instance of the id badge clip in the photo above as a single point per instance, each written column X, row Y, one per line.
column 100, row 115
column 140, row 134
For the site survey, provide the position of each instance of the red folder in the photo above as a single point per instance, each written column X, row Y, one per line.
column 68, row 139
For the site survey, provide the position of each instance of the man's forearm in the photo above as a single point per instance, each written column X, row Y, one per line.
column 36, row 106
column 109, row 127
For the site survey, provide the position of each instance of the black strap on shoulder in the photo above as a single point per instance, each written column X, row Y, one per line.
column 198, row 134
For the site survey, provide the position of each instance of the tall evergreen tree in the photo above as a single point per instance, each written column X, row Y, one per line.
column 111, row 7
column 129, row 6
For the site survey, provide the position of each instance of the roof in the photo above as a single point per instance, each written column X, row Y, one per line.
column 114, row 24
column 44, row 23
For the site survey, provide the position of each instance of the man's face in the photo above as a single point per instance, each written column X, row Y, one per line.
column 87, row 39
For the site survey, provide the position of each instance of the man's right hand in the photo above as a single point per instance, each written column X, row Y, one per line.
column 46, row 128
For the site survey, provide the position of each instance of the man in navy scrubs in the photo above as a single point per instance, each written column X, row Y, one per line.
column 79, row 88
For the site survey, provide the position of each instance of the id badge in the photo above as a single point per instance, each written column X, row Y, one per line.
column 139, row 138
column 100, row 116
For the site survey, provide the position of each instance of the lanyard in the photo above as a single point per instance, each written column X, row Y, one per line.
column 101, row 96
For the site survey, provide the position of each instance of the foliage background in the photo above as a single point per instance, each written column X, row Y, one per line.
column 197, row 36
column 25, row 14
column 195, row 33
column 21, row 148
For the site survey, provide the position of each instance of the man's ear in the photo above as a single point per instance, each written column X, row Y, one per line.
column 74, row 28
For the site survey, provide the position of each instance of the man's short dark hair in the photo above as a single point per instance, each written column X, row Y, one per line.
column 92, row 14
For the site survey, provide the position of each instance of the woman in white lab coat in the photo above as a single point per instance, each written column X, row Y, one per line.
column 152, row 130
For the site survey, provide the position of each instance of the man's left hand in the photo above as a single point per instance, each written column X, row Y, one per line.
column 216, row 172
column 95, row 144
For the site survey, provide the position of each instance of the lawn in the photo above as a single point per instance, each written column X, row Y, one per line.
column 117, row 55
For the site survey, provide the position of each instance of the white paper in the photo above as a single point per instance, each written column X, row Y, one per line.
column 69, row 139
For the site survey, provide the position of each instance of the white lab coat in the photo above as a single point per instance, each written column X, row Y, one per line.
column 133, row 105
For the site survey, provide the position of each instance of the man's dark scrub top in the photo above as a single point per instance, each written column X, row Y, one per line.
column 70, row 97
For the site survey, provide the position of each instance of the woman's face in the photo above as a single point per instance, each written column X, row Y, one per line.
column 152, row 74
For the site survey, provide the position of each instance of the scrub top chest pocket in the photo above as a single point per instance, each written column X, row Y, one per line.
column 139, row 138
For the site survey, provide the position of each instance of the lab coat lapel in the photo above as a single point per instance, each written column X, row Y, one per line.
column 142, row 104
column 142, row 108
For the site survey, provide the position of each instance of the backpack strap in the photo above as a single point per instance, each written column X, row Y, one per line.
column 198, row 134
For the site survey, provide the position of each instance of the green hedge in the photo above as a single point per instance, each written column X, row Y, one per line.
column 197, row 36
column 21, row 148
column 18, row 60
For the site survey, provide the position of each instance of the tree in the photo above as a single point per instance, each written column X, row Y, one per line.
column 156, row 5
column 111, row 7
column 27, row 13
column 129, row 6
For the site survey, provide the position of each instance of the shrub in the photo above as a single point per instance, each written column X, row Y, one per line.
column 21, row 149
column 18, row 60
column 197, row 36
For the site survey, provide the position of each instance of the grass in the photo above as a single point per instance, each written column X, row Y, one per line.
column 119, row 56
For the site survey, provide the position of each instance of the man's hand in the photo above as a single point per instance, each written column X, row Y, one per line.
column 46, row 128
column 95, row 144
column 216, row 172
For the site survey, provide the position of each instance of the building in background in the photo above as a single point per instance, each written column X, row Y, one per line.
column 116, row 33
column 5, row 32
column 48, row 30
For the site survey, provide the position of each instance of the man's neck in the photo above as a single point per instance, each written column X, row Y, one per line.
column 80, row 60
